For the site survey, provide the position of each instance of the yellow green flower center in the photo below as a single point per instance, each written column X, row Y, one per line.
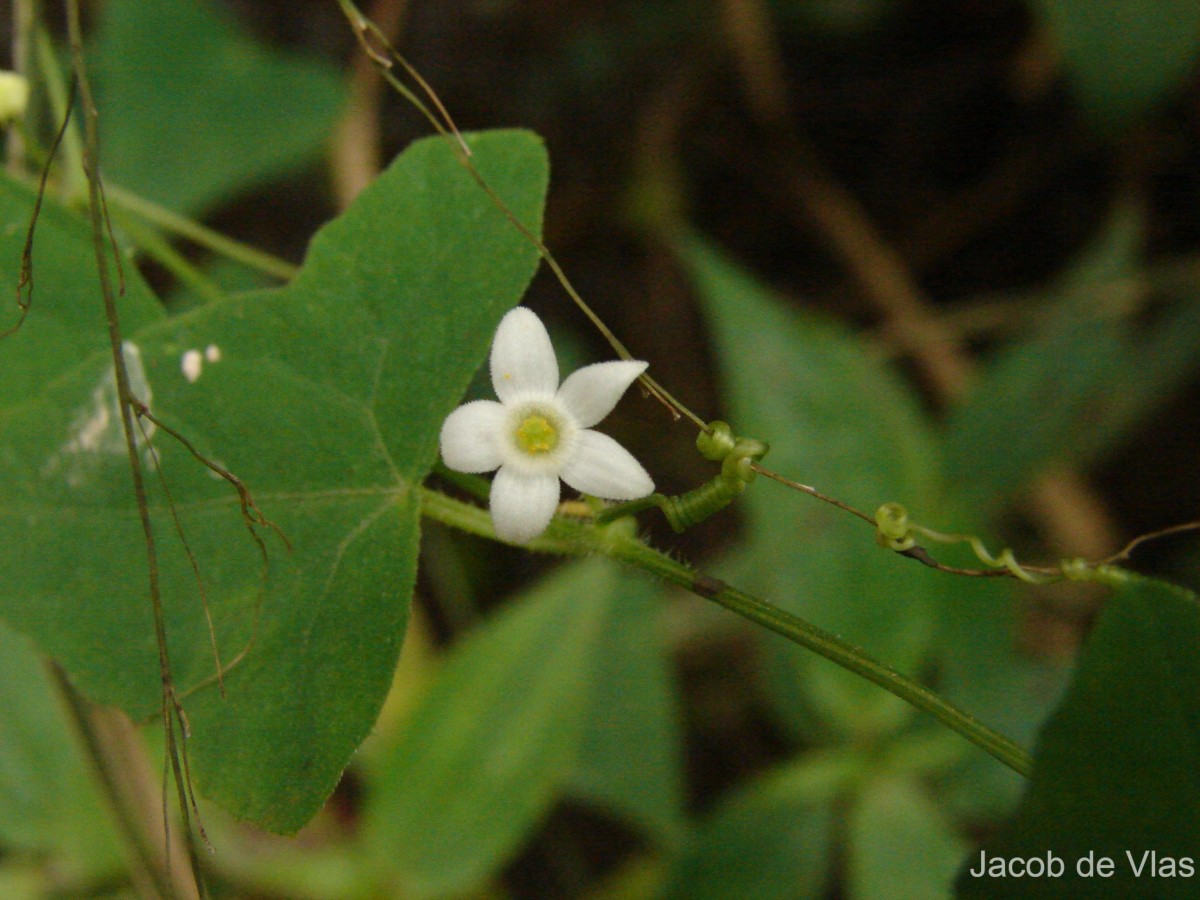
column 537, row 435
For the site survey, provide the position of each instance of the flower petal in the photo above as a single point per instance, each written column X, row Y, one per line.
column 523, row 361
column 603, row 468
column 522, row 505
column 591, row 393
column 471, row 437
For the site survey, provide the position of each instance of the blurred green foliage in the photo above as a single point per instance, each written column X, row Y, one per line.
column 1124, row 58
column 567, row 715
column 196, row 111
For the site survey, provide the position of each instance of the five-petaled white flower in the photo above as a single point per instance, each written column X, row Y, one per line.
column 540, row 432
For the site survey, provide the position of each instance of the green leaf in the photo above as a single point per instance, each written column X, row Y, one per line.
column 772, row 839
column 1045, row 391
column 1123, row 57
column 1153, row 366
column 631, row 756
column 326, row 397
column 494, row 739
column 1117, row 768
column 901, row 845
column 982, row 669
column 193, row 110
column 48, row 801
column 839, row 420
column 66, row 318
column 1022, row 415
column 1071, row 389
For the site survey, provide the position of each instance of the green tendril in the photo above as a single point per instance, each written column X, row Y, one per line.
column 895, row 531
column 737, row 457
column 892, row 529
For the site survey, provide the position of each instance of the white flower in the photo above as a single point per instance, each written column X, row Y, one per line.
column 540, row 432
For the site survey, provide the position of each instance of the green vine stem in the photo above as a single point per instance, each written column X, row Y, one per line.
column 620, row 542
column 183, row 227
column 74, row 180
column 149, row 241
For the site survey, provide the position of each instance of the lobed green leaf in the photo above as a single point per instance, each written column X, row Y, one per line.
column 326, row 397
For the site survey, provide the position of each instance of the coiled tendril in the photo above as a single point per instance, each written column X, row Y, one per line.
column 737, row 456
column 895, row 531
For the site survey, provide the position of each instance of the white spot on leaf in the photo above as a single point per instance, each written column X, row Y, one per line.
column 190, row 364
column 97, row 431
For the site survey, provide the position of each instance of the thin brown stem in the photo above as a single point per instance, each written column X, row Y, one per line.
column 356, row 158
column 813, row 492
column 125, row 779
column 386, row 57
column 1128, row 549
column 25, row 278
column 882, row 274
column 172, row 712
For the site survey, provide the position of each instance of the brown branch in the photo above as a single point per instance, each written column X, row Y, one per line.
column 173, row 716
column 25, row 278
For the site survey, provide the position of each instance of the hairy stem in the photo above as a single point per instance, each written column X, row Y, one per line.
column 823, row 643
column 619, row 543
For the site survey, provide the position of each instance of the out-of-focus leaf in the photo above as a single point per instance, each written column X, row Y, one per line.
column 631, row 755
column 495, row 738
column 773, row 839
column 194, row 110
column 318, row 864
column 225, row 276
column 48, row 802
column 981, row 669
column 23, row 879
column 839, row 420
column 1073, row 388
column 901, row 846
column 838, row 17
column 1153, row 365
column 1117, row 768
column 326, row 397
column 1032, row 402
column 1122, row 57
